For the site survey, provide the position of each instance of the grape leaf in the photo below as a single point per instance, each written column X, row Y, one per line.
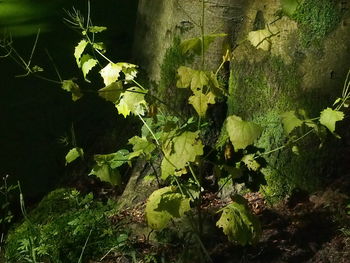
column 132, row 101
column 111, row 92
column 194, row 79
column 290, row 121
column 87, row 63
column 97, row 29
column 242, row 133
column 195, row 44
column 163, row 205
column 259, row 39
column 141, row 146
column 200, row 102
column 111, row 72
column 78, row 51
column 329, row 117
column 179, row 151
column 238, row 223
column 72, row 87
column 73, row 154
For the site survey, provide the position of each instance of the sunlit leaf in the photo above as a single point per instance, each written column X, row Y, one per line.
column 163, row 205
column 179, row 152
column 87, row 63
column 97, row 29
column 132, row 101
column 112, row 91
column 111, row 73
column 78, row 51
column 238, row 223
column 73, row 154
column 290, row 121
column 251, row 162
column 259, row 39
column 72, row 87
column 200, row 102
column 99, row 46
column 242, row 133
column 329, row 117
column 195, row 44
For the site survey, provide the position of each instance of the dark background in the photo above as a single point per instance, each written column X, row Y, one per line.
column 36, row 114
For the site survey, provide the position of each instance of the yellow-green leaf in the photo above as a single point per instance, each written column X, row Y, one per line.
column 242, row 133
column 329, row 117
column 97, row 29
column 73, row 88
column 78, row 51
column 107, row 174
column 250, row 162
column 73, row 154
column 290, row 121
column 132, row 101
column 200, row 102
column 163, row 205
column 238, row 223
column 141, row 146
column 259, row 39
column 179, row 152
column 190, row 78
column 111, row 73
column 87, row 63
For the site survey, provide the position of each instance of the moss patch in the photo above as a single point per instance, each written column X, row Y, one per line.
column 316, row 19
column 58, row 228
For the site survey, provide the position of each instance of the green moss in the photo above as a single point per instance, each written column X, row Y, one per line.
column 58, row 228
column 316, row 19
column 261, row 86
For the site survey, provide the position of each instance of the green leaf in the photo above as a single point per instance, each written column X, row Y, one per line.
column 250, row 162
column 200, row 102
column 194, row 45
column 141, row 146
column 111, row 92
column 238, row 223
column 73, row 154
column 329, row 117
column 113, row 160
column 87, row 63
column 179, row 152
column 72, row 87
column 242, row 133
column 163, row 205
column 290, row 121
column 132, row 101
column 190, row 78
column 99, row 46
column 106, row 174
column 78, row 51
column 97, row 29
column 259, row 39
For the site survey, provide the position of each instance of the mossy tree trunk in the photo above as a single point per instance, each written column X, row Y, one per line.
column 300, row 63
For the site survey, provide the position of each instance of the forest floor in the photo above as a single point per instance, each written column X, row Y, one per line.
column 304, row 228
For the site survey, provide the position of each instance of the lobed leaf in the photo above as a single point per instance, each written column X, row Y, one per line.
column 141, row 146
column 259, row 39
column 242, row 133
column 78, row 51
column 179, row 151
column 163, row 205
column 132, row 101
column 200, row 102
column 238, row 223
column 329, row 117
column 290, row 121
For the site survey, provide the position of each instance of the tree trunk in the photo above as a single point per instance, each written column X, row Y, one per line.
column 300, row 63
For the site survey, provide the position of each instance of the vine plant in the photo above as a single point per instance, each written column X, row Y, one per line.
column 180, row 144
